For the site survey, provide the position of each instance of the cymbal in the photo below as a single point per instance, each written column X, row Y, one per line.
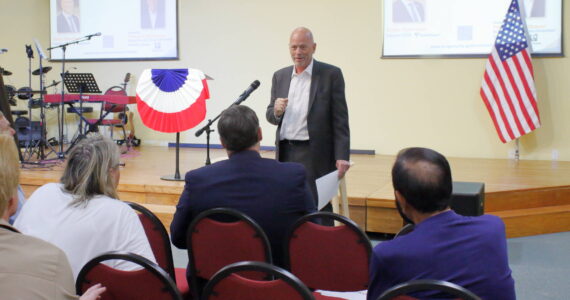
column 44, row 69
column 6, row 73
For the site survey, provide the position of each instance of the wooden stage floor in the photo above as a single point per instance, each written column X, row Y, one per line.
column 532, row 197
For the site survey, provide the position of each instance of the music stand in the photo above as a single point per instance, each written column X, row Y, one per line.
column 80, row 83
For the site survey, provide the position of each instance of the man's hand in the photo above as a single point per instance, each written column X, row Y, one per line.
column 280, row 106
column 342, row 166
column 93, row 293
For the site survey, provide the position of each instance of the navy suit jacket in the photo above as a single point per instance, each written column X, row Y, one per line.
column 468, row 251
column 274, row 194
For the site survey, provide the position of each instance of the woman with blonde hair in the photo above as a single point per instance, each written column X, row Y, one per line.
column 81, row 214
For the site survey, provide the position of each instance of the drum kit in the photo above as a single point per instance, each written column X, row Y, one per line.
column 31, row 134
column 26, row 93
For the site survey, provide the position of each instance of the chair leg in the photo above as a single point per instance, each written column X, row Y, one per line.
column 125, row 135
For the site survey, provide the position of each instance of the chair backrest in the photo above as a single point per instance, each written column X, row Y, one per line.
column 115, row 90
column 157, row 237
column 229, row 284
column 405, row 230
column 400, row 291
column 219, row 237
column 331, row 258
column 151, row 282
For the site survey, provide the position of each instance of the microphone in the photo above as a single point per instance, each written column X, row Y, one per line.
column 254, row 85
column 89, row 36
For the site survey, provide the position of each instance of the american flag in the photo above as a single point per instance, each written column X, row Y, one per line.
column 508, row 83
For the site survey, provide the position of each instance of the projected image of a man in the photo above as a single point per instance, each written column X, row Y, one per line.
column 152, row 14
column 67, row 19
column 408, row 11
column 535, row 8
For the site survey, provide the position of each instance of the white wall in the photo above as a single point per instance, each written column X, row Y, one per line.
column 393, row 103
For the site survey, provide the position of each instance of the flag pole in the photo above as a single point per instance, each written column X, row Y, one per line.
column 517, row 153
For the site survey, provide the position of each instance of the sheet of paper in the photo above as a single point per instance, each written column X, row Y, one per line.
column 358, row 295
column 327, row 188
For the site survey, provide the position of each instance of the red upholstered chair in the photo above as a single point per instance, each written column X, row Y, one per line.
column 108, row 107
column 399, row 292
column 151, row 282
column 219, row 237
column 228, row 284
column 333, row 258
column 160, row 244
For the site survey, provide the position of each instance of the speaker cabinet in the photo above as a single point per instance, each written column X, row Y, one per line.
column 468, row 198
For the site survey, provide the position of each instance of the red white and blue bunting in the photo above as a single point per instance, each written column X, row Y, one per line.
column 172, row 100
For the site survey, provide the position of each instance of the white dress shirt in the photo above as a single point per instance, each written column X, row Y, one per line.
column 294, row 125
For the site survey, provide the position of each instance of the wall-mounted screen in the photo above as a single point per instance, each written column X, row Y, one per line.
column 435, row 28
column 129, row 29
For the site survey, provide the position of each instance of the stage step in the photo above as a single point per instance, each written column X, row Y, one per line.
column 535, row 221
column 529, row 198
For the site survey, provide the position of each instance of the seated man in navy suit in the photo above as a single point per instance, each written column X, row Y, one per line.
column 273, row 193
column 468, row 251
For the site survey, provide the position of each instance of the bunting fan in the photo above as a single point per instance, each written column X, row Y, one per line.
column 172, row 100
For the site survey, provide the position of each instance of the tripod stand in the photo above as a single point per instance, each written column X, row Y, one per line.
column 63, row 47
column 36, row 144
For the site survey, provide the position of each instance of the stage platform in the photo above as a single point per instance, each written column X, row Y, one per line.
column 532, row 197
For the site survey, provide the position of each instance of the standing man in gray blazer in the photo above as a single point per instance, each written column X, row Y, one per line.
column 308, row 106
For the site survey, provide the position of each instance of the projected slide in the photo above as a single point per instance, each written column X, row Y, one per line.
column 465, row 27
column 130, row 29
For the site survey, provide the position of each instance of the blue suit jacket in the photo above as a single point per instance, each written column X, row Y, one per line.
column 274, row 194
column 468, row 251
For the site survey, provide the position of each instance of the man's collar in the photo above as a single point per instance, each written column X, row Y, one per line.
column 308, row 69
column 7, row 226
column 245, row 154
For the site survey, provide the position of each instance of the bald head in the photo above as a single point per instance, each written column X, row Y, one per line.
column 423, row 177
column 303, row 31
column 302, row 47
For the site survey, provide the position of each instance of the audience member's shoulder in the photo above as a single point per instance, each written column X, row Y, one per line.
column 395, row 247
column 206, row 169
column 36, row 248
column 290, row 166
column 48, row 187
column 488, row 219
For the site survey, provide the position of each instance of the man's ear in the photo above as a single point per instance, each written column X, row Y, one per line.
column 401, row 199
column 259, row 134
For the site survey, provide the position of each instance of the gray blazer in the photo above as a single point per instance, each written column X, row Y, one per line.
column 327, row 118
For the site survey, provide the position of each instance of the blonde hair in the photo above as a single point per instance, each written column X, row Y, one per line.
column 86, row 173
column 9, row 170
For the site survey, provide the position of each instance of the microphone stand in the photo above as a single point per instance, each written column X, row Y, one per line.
column 63, row 47
column 208, row 127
